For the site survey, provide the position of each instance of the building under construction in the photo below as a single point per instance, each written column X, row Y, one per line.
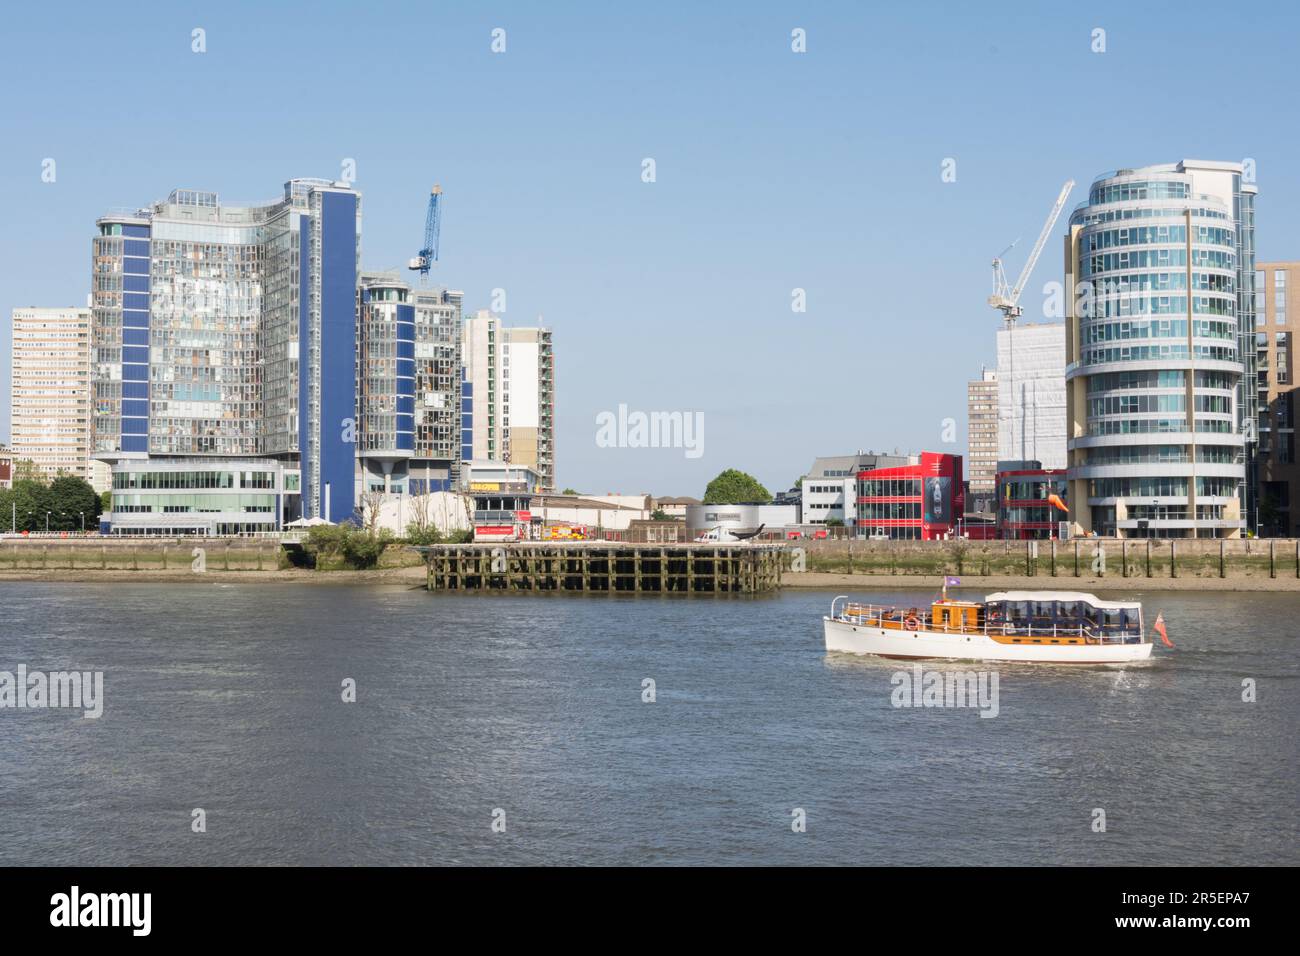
column 1031, row 394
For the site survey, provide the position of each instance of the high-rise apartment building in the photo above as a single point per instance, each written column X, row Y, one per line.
column 231, row 332
column 1275, row 341
column 1160, row 345
column 1031, row 394
column 511, row 372
column 409, row 386
column 982, row 431
column 481, row 356
column 50, row 390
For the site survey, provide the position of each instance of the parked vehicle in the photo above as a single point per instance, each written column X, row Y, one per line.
column 565, row 532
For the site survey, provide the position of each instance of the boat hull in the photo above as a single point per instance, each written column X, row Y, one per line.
column 849, row 638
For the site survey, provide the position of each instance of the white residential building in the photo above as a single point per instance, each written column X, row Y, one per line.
column 511, row 373
column 50, row 390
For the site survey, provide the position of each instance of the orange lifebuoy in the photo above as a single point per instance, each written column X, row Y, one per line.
column 911, row 623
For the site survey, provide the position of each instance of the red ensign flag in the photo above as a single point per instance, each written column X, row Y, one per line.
column 1159, row 628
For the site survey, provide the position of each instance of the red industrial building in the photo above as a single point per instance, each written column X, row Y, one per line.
column 919, row 502
column 1025, row 508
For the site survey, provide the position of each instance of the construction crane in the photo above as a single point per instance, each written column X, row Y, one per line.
column 428, row 254
column 1006, row 299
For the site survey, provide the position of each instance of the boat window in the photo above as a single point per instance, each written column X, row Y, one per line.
column 1113, row 619
column 1017, row 619
column 1069, row 614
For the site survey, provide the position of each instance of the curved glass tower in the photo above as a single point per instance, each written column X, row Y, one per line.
column 1159, row 352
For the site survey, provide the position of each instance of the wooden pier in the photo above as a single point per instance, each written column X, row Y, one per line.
column 604, row 567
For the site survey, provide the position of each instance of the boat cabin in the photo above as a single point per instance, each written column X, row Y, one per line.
column 956, row 615
column 1064, row 612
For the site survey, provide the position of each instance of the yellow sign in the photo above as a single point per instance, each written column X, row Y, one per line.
column 484, row 486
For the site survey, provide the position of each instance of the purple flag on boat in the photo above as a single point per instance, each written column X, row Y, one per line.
column 951, row 582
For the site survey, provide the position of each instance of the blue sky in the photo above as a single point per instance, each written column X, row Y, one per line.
column 775, row 170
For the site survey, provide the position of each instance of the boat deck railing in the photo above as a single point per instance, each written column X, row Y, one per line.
column 917, row 618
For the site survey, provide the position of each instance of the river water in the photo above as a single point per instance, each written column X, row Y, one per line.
column 529, row 711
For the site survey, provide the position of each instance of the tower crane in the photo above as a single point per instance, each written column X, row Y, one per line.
column 1006, row 299
column 428, row 253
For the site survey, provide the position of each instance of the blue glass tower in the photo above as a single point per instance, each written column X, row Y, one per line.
column 230, row 332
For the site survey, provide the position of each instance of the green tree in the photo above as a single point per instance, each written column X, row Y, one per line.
column 1268, row 514
column 25, row 469
column 106, row 502
column 72, row 500
column 733, row 487
column 569, row 491
column 835, row 522
column 660, row 515
column 24, row 506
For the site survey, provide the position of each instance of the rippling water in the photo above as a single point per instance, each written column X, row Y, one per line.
column 227, row 697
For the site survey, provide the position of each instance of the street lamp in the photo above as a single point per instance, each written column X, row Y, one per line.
column 47, row 522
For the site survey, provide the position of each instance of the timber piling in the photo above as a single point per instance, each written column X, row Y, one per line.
column 610, row 567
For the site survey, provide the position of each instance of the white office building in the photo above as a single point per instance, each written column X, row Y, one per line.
column 829, row 489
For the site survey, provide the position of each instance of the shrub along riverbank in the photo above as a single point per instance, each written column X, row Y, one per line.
column 348, row 547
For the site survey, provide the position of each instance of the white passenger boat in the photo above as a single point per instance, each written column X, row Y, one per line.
column 1062, row 627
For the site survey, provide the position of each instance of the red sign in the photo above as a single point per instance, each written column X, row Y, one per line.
column 523, row 516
